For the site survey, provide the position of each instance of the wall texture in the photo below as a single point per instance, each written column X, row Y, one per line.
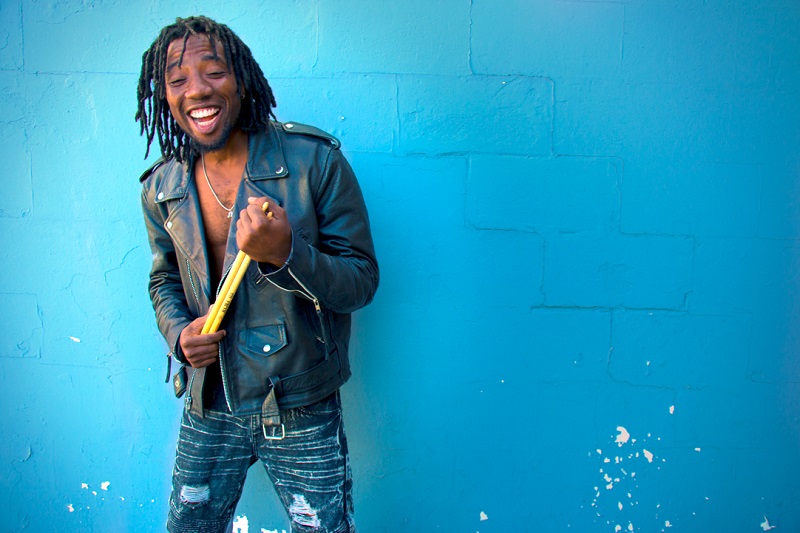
column 587, row 215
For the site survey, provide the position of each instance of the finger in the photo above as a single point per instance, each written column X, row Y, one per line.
column 244, row 217
column 255, row 213
column 257, row 200
column 216, row 336
column 201, row 361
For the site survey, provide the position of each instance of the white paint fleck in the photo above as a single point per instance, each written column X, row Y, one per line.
column 606, row 460
column 618, row 528
column 672, row 409
column 648, row 455
column 623, row 436
column 607, row 478
column 94, row 492
column 609, row 486
column 766, row 526
column 84, row 485
column 70, row 508
column 648, row 363
column 74, row 339
column 484, row 517
column 104, row 485
column 599, row 451
column 667, row 524
column 241, row 525
column 697, row 449
column 121, row 498
column 619, row 504
column 630, row 526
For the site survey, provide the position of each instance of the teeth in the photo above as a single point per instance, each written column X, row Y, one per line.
column 203, row 113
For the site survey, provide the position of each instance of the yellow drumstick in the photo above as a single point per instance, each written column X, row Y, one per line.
column 235, row 276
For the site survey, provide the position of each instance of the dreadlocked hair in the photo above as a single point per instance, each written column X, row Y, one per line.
column 153, row 112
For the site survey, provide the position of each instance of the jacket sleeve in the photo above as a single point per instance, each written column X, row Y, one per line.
column 166, row 289
column 340, row 274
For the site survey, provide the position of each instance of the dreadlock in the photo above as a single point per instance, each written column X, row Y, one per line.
column 153, row 113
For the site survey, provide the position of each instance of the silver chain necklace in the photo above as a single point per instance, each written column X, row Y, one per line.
column 229, row 210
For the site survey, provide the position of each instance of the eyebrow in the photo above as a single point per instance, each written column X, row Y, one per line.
column 207, row 57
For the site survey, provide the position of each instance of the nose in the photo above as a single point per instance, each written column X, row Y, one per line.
column 197, row 86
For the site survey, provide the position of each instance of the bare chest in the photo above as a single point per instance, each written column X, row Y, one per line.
column 217, row 197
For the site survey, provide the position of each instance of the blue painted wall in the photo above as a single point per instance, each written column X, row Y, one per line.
column 587, row 218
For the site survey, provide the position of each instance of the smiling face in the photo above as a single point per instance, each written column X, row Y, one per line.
column 202, row 92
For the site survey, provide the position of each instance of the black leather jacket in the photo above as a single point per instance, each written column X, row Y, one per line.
column 290, row 325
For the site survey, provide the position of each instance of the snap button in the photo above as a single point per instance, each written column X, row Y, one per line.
column 289, row 125
column 279, row 170
column 169, row 225
column 267, row 348
column 161, row 196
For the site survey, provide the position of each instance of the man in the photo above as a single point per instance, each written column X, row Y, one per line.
column 265, row 386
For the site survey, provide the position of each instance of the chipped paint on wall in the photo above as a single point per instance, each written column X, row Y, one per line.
column 484, row 516
column 241, row 525
column 765, row 525
column 623, row 436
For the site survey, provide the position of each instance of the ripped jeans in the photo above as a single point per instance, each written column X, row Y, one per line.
column 309, row 469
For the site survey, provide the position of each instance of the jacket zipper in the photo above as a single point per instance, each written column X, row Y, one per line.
column 196, row 299
column 317, row 306
column 219, row 345
column 191, row 282
column 309, row 295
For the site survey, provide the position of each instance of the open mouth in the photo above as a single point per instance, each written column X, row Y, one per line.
column 205, row 118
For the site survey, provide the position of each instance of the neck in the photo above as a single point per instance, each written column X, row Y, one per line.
column 233, row 153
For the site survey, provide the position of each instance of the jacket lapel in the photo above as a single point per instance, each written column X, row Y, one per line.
column 185, row 223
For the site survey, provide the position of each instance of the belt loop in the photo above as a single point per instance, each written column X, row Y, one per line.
column 196, row 391
column 271, row 414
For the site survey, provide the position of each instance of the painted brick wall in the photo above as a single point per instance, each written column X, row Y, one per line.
column 587, row 215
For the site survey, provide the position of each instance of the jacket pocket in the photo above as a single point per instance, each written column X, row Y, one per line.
column 263, row 341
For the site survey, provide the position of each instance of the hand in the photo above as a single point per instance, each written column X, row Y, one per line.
column 200, row 350
column 265, row 236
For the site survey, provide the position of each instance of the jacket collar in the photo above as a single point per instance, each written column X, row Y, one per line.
column 265, row 160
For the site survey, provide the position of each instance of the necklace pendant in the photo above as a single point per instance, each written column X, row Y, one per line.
column 230, row 214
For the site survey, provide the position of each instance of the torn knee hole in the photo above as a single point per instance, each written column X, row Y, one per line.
column 195, row 494
column 302, row 513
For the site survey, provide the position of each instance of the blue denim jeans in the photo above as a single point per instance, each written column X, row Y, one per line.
column 309, row 469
